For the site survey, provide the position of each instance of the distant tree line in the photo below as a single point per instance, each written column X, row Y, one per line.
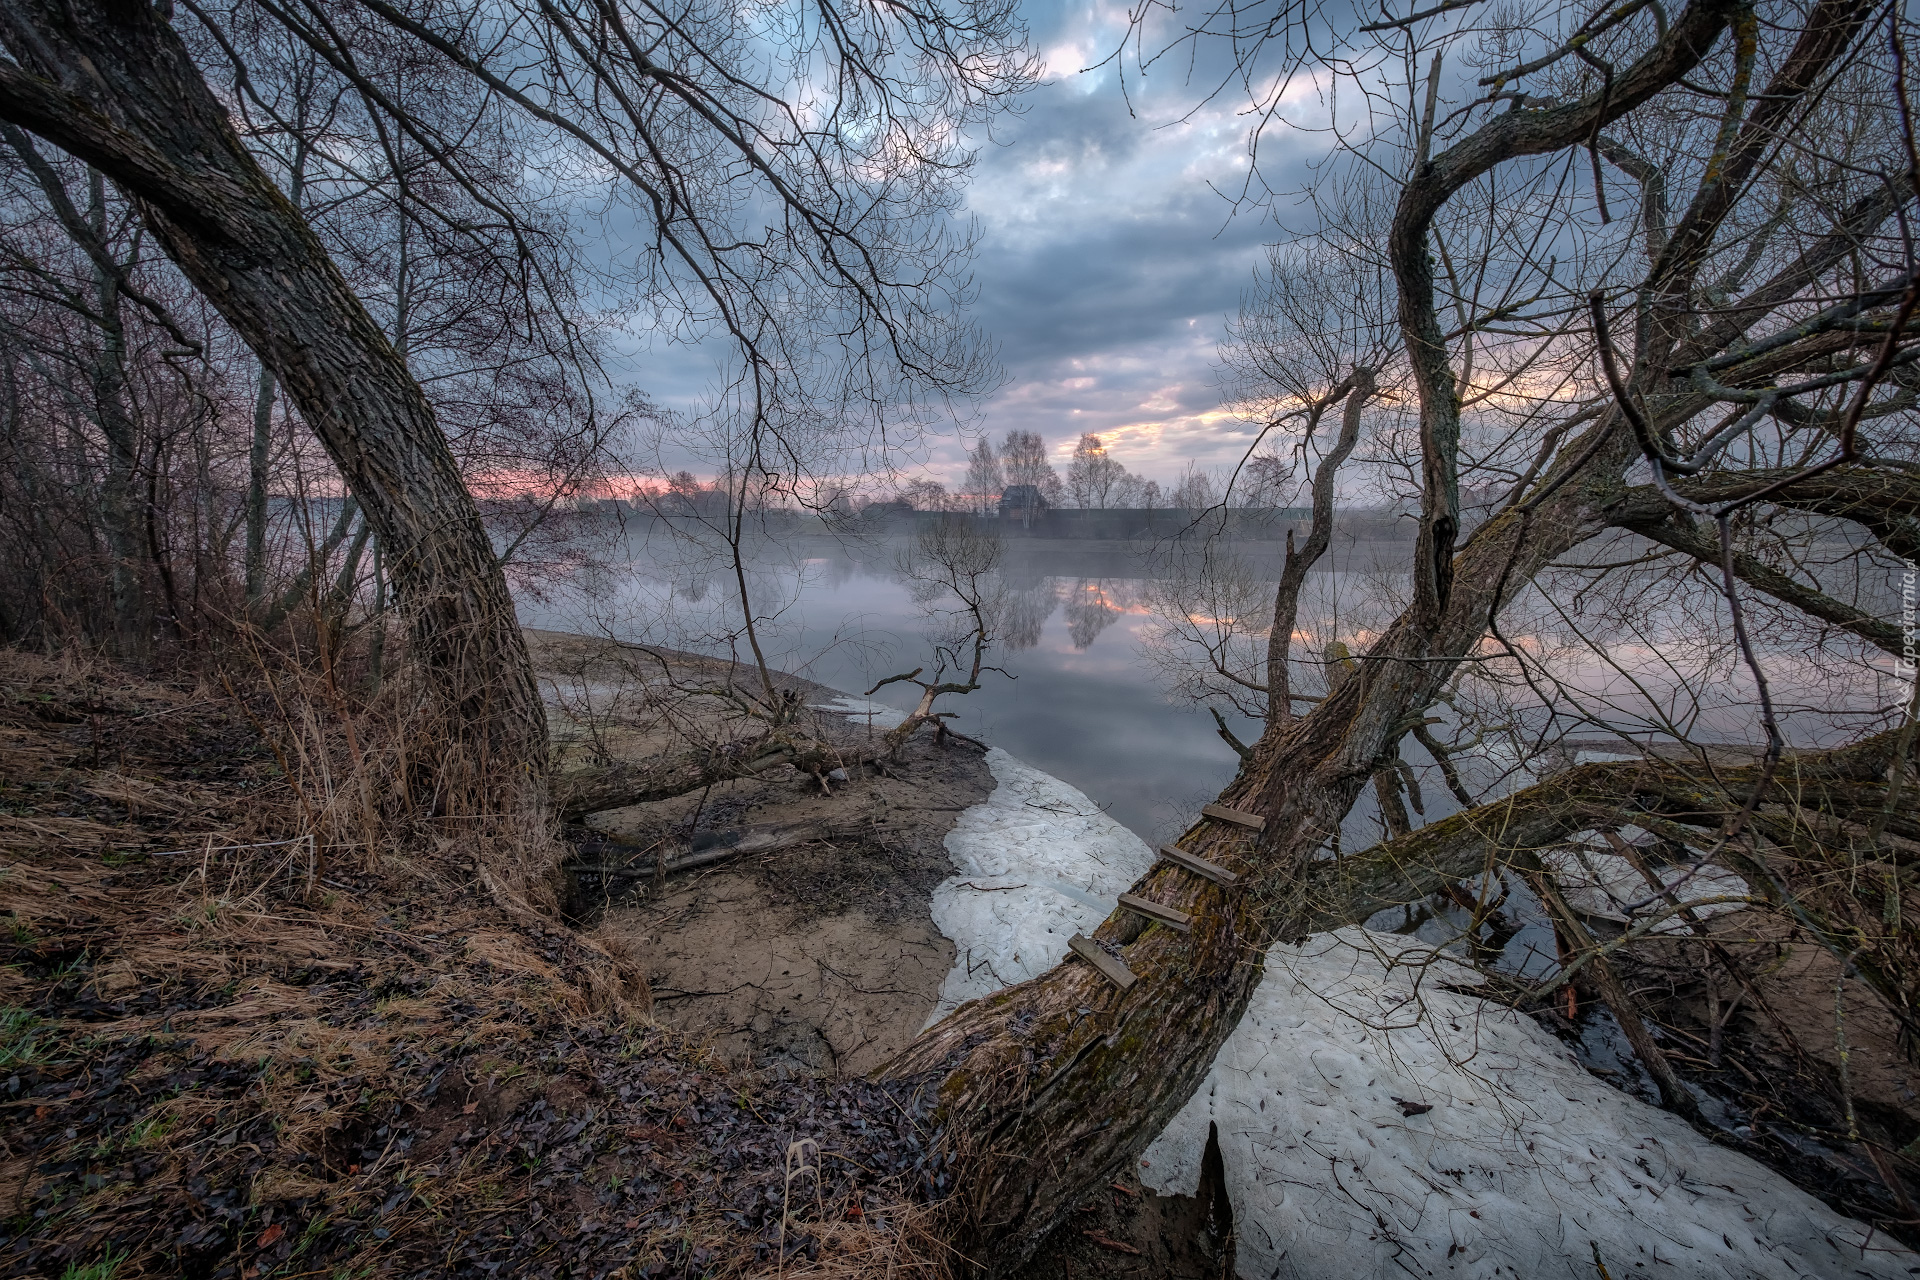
column 1095, row 481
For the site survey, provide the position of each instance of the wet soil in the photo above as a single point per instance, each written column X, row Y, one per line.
column 821, row 959
column 817, row 957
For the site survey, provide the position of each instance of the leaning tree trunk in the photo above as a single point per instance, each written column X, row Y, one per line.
column 1053, row 1086
column 110, row 81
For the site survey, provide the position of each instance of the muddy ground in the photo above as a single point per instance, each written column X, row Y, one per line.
column 223, row 1057
column 816, row 958
column 821, row 959
column 819, row 956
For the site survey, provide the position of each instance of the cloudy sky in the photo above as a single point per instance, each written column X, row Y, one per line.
column 1107, row 265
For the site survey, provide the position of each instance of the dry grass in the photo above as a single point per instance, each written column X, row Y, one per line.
column 257, row 1025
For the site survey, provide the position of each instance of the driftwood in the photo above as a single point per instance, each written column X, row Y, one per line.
column 766, row 838
column 597, row 788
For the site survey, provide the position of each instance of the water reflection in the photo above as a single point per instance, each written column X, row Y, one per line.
column 1092, row 607
column 1087, row 667
column 1076, row 697
column 1028, row 602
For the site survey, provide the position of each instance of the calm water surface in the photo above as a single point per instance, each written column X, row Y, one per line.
column 1077, row 697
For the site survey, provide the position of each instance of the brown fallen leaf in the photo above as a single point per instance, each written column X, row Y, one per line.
column 1108, row 1242
column 271, row 1234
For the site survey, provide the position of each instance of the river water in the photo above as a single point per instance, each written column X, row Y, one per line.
column 1075, row 694
column 1081, row 696
column 1078, row 692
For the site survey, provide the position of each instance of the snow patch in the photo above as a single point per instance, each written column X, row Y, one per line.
column 1608, row 886
column 1605, row 757
column 1035, row 863
column 1524, row 1165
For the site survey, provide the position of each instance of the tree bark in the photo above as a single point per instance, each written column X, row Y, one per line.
column 111, row 83
column 1054, row 1085
column 1051, row 1086
column 1847, row 783
column 1357, row 390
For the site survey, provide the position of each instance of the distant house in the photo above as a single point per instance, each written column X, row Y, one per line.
column 1022, row 500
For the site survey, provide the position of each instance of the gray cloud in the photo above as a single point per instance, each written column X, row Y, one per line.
column 1107, row 266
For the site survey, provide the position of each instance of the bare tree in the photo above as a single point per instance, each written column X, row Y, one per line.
column 1094, row 478
column 953, row 572
column 1765, row 330
column 1196, row 490
column 1737, row 324
column 1023, row 460
column 112, row 385
column 664, row 101
column 985, row 479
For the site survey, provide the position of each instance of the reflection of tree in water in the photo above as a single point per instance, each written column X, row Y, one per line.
column 1092, row 607
column 692, row 584
column 1025, row 608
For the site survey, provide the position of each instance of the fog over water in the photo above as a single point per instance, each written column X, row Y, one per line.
column 1079, row 696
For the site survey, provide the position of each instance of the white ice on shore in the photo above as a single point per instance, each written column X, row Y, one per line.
column 1525, row 1164
column 1608, row 886
column 1035, row 863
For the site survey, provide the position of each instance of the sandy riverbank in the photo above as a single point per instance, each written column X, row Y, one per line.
column 817, row 957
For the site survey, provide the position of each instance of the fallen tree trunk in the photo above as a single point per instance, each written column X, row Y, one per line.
column 1049, row 1087
column 1883, row 500
column 766, row 838
column 579, row 792
column 1056, row 1083
column 1844, row 784
column 597, row 788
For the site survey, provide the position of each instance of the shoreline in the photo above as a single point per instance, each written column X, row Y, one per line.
column 1029, row 869
column 821, row 955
